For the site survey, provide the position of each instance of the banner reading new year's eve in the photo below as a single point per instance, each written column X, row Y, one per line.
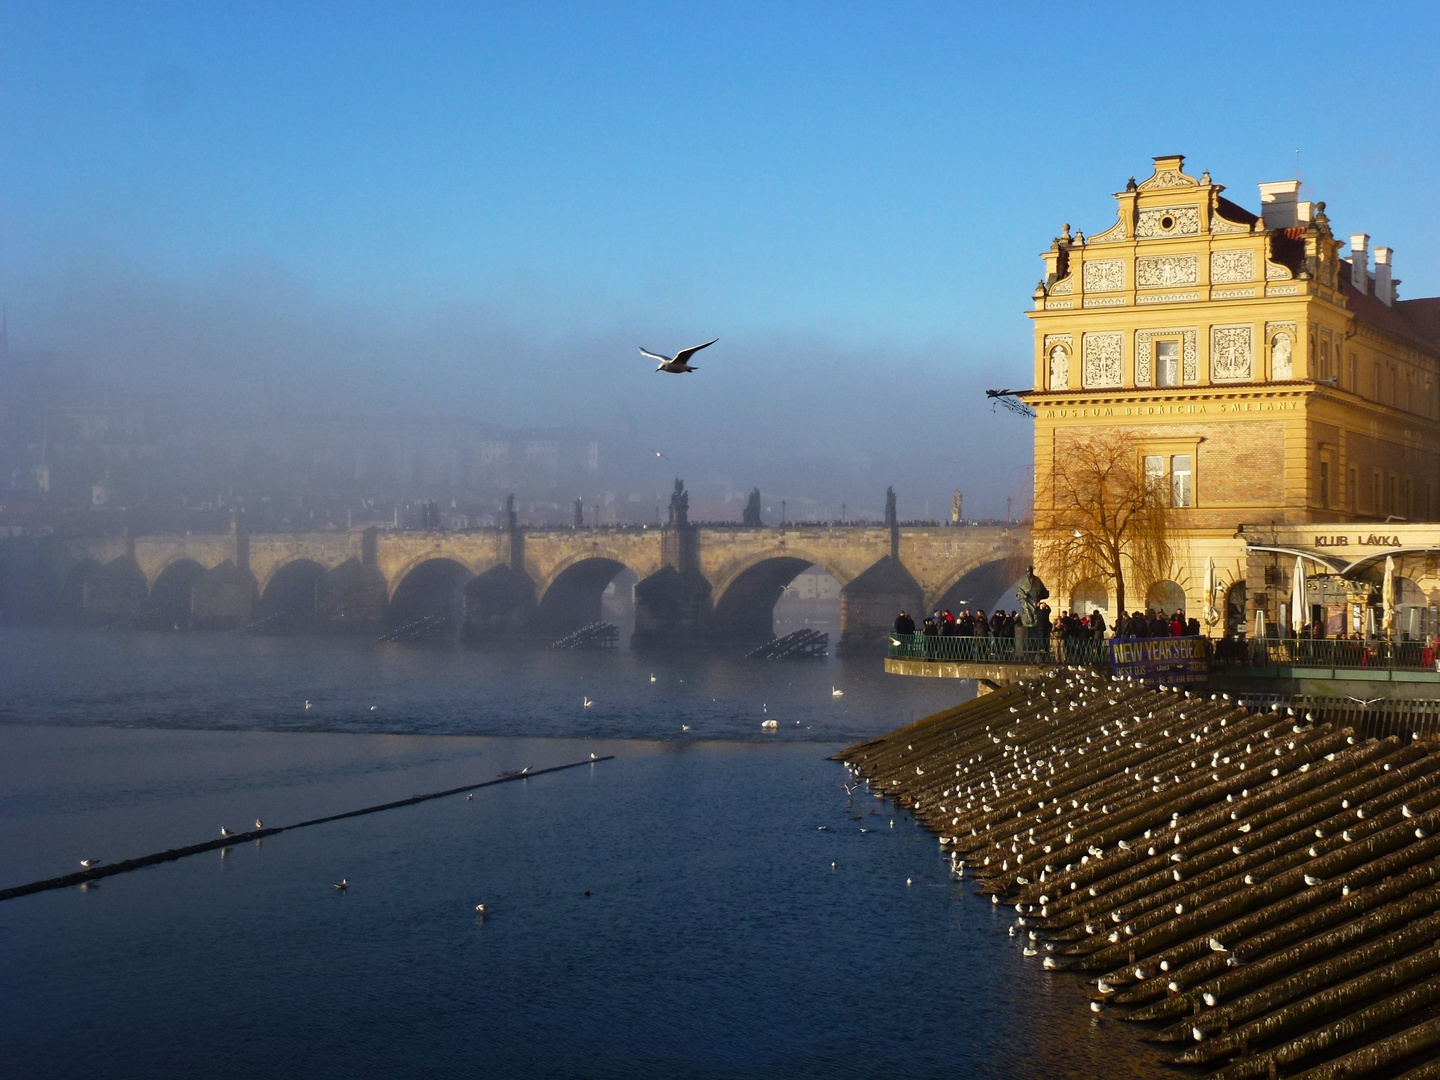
column 1181, row 661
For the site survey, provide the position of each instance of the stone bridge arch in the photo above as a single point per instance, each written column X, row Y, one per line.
column 747, row 590
column 978, row 585
column 290, row 593
column 430, row 586
column 571, row 596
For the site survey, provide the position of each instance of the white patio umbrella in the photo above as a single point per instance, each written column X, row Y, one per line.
column 1387, row 596
column 1299, row 616
column 1211, row 615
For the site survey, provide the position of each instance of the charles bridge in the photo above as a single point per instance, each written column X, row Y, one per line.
column 695, row 581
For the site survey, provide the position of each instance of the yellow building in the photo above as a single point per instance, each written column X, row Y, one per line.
column 1268, row 381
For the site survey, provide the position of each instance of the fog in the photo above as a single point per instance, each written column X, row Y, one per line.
column 795, row 413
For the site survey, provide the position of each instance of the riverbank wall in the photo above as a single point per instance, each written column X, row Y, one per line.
column 1257, row 889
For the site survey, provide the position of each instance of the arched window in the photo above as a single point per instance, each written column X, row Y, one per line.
column 1166, row 597
column 1090, row 596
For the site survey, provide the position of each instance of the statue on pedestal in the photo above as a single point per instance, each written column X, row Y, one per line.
column 680, row 505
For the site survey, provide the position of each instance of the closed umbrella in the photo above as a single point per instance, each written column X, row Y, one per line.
column 1387, row 596
column 1298, row 614
column 1211, row 615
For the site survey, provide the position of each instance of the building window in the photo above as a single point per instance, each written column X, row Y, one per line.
column 1325, row 484
column 1167, row 363
column 1376, row 493
column 1377, row 387
column 1181, row 487
column 1154, row 471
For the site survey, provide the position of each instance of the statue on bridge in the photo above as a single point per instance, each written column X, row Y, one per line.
column 890, row 517
column 752, row 509
column 510, row 518
column 680, row 505
column 1030, row 592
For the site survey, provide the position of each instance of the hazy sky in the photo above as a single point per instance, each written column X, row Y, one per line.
column 484, row 209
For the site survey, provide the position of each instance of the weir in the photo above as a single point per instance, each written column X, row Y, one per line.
column 123, row 866
column 1258, row 889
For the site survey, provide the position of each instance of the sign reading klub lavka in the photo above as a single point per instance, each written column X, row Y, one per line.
column 1179, row 661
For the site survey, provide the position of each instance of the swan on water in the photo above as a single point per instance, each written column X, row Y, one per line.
column 770, row 725
column 684, row 727
column 836, row 692
column 307, row 704
column 587, row 702
column 652, row 677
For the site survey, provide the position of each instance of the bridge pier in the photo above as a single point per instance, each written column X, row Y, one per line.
column 869, row 604
column 352, row 598
column 223, row 598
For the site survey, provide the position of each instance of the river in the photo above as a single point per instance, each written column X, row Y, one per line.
column 676, row 911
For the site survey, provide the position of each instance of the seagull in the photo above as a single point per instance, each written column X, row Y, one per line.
column 374, row 707
column 770, row 725
column 652, row 677
column 592, row 756
column 684, row 727
column 1405, row 811
column 1364, row 703
column 1312, row 881
column 832, row 866
column 480, row 911
column 587, row 701
column 678, row 363
column 259, row 824
column 1216, row 945
column 821, row 828
column 224, row 831
column 834, row 692
column 471, row 796
column 90, row 864
column 1095, row 1006
column 1209, row 998
column 341, row 885
column 907, row 881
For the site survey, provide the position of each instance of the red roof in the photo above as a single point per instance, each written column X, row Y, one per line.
column 1400, row 320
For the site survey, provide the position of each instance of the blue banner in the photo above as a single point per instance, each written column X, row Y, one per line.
column 1177, row 661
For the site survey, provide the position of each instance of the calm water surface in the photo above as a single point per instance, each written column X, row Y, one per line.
column 717, row 940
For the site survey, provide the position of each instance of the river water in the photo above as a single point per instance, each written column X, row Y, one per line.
column 671, row 912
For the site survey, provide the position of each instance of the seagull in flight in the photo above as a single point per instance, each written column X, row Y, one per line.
column 678, row 363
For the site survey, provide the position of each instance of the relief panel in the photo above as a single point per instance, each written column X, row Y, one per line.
column 1232, row 353
column 1168, row 221
column 1102, row 364
column 1104, row 275
column 1164, row 271
column 1231, row 267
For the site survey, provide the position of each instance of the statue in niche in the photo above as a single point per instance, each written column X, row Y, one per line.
column 1059, row 368
column 1280, row 366
column 680, row 505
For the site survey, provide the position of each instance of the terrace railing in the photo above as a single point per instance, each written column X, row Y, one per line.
column 1341, row 653
column 997, row 650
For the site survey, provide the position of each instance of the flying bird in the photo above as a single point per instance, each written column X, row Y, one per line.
column 678, row 363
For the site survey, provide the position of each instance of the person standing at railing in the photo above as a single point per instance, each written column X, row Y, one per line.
column 1097, row 625
column 904, row 624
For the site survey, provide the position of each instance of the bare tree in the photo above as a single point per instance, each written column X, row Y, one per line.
column 1098, row 516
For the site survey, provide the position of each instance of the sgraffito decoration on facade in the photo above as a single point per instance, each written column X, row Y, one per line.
column 1276, row 272
column 1190, row 353
column 1222, row 225
column 1163, row 271
column 1170, row 221
column 1232, row 356
column 1113, row 233
column 1104, row 275
column 1102, row 365
column 1230, row 267
column 1169, row 178
column 1064, row 287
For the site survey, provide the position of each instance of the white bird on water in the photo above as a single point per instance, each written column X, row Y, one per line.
column 586, row 701
column 836, row 692
column 684, row 727
column 470, row 797
column 592, row 755
column 341, row 885
column 374, row 707
column 678, row 363
column 652, row 677
column 90, row 864
column 770, row 725
column 307, row 704
column 480, row 911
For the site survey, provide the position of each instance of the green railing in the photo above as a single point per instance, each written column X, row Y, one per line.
column 997, row 650
column 1340, row 653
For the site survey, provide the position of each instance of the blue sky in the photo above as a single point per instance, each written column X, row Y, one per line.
column 425, row 204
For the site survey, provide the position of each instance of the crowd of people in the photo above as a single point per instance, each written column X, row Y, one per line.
column 1068, row 626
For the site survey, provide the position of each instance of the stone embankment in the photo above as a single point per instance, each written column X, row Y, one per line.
column 1260, row 891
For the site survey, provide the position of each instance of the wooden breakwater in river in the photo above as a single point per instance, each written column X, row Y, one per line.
column 1260, row 891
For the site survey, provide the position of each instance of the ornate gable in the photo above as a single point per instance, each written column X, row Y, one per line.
column 1169, row 174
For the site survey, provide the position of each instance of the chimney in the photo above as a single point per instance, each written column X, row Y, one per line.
column 1384, row 283
column 1360, row 262
column 1279, row 204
